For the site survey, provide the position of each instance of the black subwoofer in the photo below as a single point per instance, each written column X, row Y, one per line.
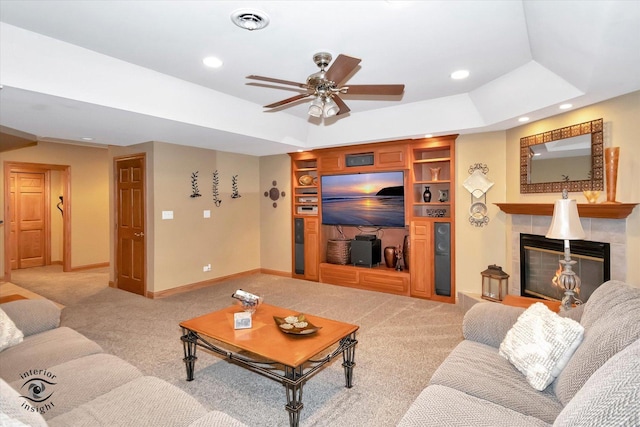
column 298, row 230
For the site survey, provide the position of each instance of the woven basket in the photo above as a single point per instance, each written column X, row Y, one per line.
column 339, row 251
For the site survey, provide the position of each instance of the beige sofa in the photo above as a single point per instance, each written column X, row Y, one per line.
column 600, row 385
column 88, row 386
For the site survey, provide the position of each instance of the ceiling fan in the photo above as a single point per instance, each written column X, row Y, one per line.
column 324, row 86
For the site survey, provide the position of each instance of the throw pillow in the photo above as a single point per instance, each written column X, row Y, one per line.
column 540, row 344
column 9, row 334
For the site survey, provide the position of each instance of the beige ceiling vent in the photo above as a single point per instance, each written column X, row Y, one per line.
column 250, row 19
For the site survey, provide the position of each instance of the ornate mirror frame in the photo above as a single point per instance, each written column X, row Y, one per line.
column 595, row 128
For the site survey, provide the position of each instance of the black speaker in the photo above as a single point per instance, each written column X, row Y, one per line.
column 365, row 159
column 366, row 253
column 442, row 264
column 298, row 235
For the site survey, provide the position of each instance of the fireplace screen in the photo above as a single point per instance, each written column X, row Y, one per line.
column 540, row 264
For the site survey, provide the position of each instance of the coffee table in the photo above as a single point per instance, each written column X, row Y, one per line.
column 282, row 357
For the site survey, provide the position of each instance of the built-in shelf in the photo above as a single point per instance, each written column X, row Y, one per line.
column 602, row 210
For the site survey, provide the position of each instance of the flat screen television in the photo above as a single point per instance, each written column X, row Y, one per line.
column 374, row 199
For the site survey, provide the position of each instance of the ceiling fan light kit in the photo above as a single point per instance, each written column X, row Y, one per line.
column 324, row 86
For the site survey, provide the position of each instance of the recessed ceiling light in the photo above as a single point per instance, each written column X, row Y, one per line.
column 460, row 74
column 429, row 135
column 523, row 119
column 250, row 19
column 212, row 61
column 566, row 106
column 87, row 138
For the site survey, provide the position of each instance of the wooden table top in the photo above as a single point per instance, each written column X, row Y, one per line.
column 265, row 338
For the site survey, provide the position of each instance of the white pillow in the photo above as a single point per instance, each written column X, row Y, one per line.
column 9, row 334
column 540, row 344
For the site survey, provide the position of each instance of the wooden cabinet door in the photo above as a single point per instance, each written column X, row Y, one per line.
column 421, row 259
column 311, row 245
column 331, row 162
column 391, row 158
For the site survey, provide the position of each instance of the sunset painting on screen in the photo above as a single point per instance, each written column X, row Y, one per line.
column 366, row 199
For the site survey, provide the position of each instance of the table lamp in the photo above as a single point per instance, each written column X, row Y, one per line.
column 565, row 225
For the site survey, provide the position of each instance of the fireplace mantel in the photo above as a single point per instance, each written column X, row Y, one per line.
column 604, row 210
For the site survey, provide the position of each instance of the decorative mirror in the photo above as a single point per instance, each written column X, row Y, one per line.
column 570, row 157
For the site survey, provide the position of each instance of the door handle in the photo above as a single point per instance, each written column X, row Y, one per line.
column 138, row 234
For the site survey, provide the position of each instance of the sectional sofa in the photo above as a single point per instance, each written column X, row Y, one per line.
column 58, row 377
column 599, row 386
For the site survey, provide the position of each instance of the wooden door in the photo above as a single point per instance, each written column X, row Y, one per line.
column 311, row 242
column 130, row 214
column 29, row 219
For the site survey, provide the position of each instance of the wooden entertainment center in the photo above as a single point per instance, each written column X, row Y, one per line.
column 430, row 226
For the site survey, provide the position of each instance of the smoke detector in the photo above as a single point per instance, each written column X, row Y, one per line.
column 250, row 19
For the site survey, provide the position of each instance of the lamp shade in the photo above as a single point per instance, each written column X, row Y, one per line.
column 565, row 224
column 315, row 109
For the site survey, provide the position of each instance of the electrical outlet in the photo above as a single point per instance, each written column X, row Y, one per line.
column 206, row 267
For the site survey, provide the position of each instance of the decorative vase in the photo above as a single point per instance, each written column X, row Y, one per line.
column 611, row 155
column 435, row 174
column 426, row 196
column 406, row 247
column 390, row 257
column 591, row 195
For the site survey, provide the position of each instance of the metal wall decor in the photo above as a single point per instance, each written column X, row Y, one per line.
column 216, row 194
column 194, row 185
column 274, row 194
column 234, row 187
column 478, row 184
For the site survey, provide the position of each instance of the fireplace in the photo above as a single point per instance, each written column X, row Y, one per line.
column 539, row 264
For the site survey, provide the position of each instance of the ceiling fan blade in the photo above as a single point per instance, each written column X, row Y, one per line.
column 341, row 68
column 374, row 89
column 288, row 100
column 272, row 80
column 341, row 105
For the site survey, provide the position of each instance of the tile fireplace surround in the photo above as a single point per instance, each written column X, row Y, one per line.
column 612, row 231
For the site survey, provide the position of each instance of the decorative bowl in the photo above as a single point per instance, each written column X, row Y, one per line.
column 296, row 324
column 305, row 180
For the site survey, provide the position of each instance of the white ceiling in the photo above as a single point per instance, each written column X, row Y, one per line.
column 126, row 72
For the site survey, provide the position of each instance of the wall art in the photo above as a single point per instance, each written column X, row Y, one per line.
column 234, row 187
column 216, row 194
column 194, row 185
column 274, row 194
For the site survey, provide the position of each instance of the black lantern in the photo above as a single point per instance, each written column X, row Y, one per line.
column 495, row 283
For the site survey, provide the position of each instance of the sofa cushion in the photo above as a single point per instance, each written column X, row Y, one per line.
column 610, row 397
column 611, row 319
column 489, row 323
column 81, row 380
column 11, row 411
column 44, row 350
column 33, row 316
column 540, row 344
column 10, row 335
column 147, row 401
column 443, row 406
column 478, row 370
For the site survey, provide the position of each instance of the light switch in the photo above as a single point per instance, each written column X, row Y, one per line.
column 167, row 214
column 207, row 214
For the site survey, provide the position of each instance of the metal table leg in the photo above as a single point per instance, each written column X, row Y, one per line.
column 189, row 340
column 294, row 394
column 348, row 359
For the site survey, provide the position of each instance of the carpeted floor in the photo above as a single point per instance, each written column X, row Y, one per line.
column 401, row 342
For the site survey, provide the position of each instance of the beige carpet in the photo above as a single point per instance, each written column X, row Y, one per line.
column 401, row 342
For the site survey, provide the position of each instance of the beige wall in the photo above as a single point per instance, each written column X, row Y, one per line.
column 275, row 223
column 179, row 248
column 89, row 196
column 479, row 247
column 622, row 129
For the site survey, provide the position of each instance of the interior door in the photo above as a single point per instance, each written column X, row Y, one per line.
column 29, row 221
column 130, row 214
